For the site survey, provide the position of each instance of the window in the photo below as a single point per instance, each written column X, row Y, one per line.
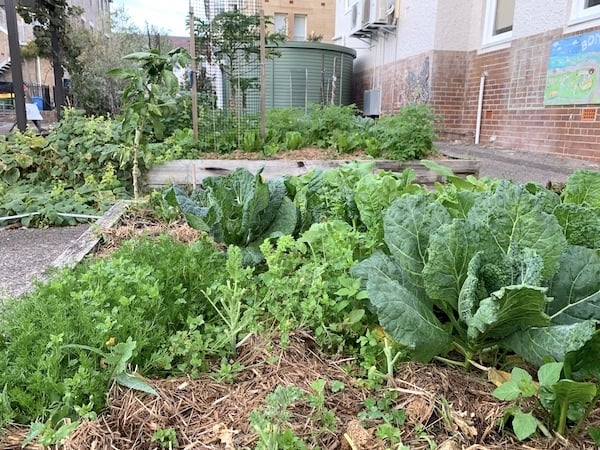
column 299, row 27
column 498, row 21
column 280, row 22
column 584, row 10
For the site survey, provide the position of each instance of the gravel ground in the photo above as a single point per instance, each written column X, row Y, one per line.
column 25, row 254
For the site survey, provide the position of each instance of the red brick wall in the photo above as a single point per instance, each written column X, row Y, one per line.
column 513, row 113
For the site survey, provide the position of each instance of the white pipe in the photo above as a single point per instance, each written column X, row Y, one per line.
column 480, row 106
column 73, row 215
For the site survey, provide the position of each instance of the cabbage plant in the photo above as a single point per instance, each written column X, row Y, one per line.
column 498, row 273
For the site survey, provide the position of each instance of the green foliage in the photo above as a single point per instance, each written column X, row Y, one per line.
column 238, row 209
column 166, row 438
column 323, row 120
column 75, row 170
column 251, row 141
column 145, row 292
column 487, row 273
column 307, row 284
column 150, row 91
column 385, row 415
column 560, row 400
column 409, row 134
column 271, row 422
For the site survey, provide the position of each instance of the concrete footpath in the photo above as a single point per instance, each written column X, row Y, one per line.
column 517, row 165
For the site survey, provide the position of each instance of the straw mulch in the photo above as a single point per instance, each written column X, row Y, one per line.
column 443, row 405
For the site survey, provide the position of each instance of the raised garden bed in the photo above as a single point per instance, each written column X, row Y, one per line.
column 192, row 172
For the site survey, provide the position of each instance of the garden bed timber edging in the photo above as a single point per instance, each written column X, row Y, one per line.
column 90, row 237
column 192, row 172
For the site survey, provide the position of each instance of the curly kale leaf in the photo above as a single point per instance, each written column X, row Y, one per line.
column 510, row 219
column 581, row 224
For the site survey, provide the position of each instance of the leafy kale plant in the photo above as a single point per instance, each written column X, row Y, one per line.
column 238, row 209
column 484, row 276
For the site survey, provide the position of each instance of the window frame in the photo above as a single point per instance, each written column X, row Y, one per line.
column 489, row 38
column 581, row 13
column 300, row 38
column 286, row 24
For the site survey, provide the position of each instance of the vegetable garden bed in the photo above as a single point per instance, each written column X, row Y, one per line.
column 192, row 172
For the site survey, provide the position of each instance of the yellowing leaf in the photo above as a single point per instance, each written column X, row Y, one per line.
column 498, row 377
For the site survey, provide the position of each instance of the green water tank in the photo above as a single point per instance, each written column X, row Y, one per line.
column 308, row 73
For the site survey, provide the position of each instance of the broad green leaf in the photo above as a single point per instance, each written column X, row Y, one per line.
column 538, row 343
column 583, row 187
column 120, row 356
column 510, row 218
column 445, row 271
column 11, row 175
column 437, row 168
column 581, row 224
column 511, row 309
column 524, row 425
column 583, row 363
column 408, row 224
column 519, row 384
column 380, row 263
column 194, row 213
column 406, row 318
column 576, row 287
column 507, row 391
column 285, row 220
column 569, row 391
column 549, row 373
column 132, row 382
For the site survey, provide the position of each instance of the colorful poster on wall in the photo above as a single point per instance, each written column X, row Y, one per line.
column 573, row 70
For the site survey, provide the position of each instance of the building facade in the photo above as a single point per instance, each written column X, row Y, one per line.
column 36, row 70
column 302, row 20
column 509, row 73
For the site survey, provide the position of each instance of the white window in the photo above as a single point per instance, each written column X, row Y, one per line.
column 584, row 10
column 498, row 21
column 299, row 27
column 280, row 22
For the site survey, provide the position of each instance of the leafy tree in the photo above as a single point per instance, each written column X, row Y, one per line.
column 92, row 89
column 231, row 39
column 53, row 37
column 150, row 92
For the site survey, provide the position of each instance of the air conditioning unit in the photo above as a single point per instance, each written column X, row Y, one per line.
column 356, row 22
column 372, row 102
column 377, row 12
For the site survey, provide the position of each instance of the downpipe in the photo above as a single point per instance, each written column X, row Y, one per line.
column 480, row 105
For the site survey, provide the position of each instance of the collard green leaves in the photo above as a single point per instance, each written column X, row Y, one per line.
column 576, row 287
column 583, row 188
column 239, row 209
column 500, row 274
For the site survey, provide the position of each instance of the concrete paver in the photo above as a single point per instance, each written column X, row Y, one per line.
column 516, row 165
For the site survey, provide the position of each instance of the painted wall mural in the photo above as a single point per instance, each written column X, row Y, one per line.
column 418, row 89
column 573, row 71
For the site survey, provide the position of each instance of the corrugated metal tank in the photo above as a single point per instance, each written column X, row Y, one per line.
column 306, row 73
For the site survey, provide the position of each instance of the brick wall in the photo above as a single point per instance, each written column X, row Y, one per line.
column 513, row 112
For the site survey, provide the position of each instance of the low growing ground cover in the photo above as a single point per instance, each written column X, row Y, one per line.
column 343, row 308
column 86, row 163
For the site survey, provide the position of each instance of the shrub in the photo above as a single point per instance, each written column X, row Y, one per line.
column 407, row 135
